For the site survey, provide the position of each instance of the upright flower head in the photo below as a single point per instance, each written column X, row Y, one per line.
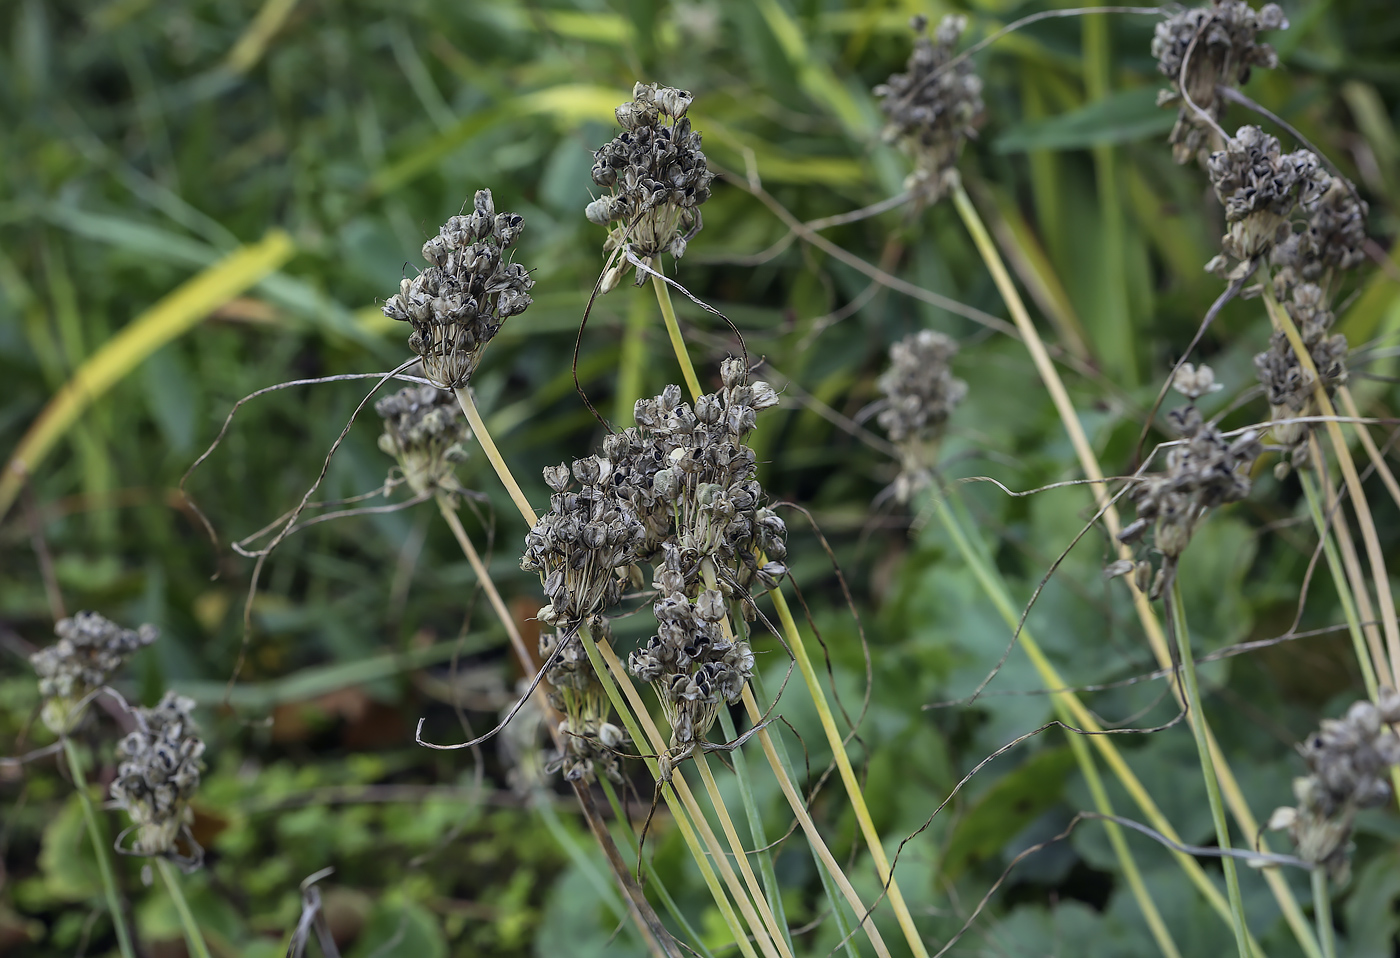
column 157, row 774
column 426, row 432
column 1221, row 41
column 89, row 649
column 1287, row 383
column 1349, row 762
column 1259, row 184
column 931, row 109
column 656, row 177
column 459, row 302
column 1333, row 240
column 920, row 393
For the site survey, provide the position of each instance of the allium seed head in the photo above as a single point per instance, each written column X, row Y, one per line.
column 89, row 649
column 1225, row 50
column 932, row 110
column 468, row 291
column 1349, row 762
column 426, row 432
column 656, row 176
column 158, row 772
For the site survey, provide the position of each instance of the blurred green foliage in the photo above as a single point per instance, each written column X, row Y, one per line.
column 144, row 139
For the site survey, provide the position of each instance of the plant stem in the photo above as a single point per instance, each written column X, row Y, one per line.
column 1339, row 582
column 1322, row 910
column 653, row 879
column 172, row 884
column 995, row 586
column 1088, row 461
column 1217, row 807
column 756, row 831
column 631, row 363
column 488, row 446
column 848, row 776
column 673, row 329
column 99, row 849
column 1359, row 505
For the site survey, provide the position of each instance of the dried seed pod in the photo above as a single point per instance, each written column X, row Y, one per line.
column 1287, row 384
column 920, row 394
column 1334, row 239
column 426, row 432
column 1349, row 762
column 656, row 175
column 158, row 771
column 1205, row 470
column 931, row 110
column 1259, row 184
column 457, row 305
column 692, row 665
column 1222, row 41
column 89, row 649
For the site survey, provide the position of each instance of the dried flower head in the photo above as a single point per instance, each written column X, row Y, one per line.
column 586, row 747
column 157, row 775
column 1334, row 239
column 1203, row 471
column 691, row 662
column 587, row 739
column 426, row 432
column 1349, row 762
column 931, row 110
column 690, row 479
column 1288, row 385
column 920, row 394
column 1259, row 184
column 656, row 177
column 1225, row 49
column 89, row 649
column 459, row 302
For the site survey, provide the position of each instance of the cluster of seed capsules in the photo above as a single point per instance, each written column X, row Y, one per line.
column 1219, row 46
column 427, row 433
column 676, row 490
column 656, row 176
column 919, row 392
column 1349, row 764
column 89, row 649
column 932, row 108
column 470, row 288
column 158, row 771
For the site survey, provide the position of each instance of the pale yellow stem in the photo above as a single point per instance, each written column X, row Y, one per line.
column 1088, row 461
column 673, row 329
column 1359, row 505
column 488, row 446
column 517, row 641
column 1351, row 562
column 848, row 776
column 1364, row 432
column 682, row 789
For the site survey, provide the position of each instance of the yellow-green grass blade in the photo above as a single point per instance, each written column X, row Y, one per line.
column 168, row 319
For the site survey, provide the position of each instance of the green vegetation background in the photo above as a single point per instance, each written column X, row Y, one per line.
column 144, row 139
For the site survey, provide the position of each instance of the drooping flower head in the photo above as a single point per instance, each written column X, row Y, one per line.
column 1221, row 40
column 468, row 291
column 158, row 771
column 656, row 178
column 931, row 109
column 89, row 649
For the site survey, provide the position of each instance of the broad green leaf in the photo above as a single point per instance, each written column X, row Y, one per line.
column 1120, row 117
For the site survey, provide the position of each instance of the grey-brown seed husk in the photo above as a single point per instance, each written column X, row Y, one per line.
column 1349, row 762
column 468, row 291
column 1226, row 50
column 426, row 432
column 932, row 110
column 89, row 649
